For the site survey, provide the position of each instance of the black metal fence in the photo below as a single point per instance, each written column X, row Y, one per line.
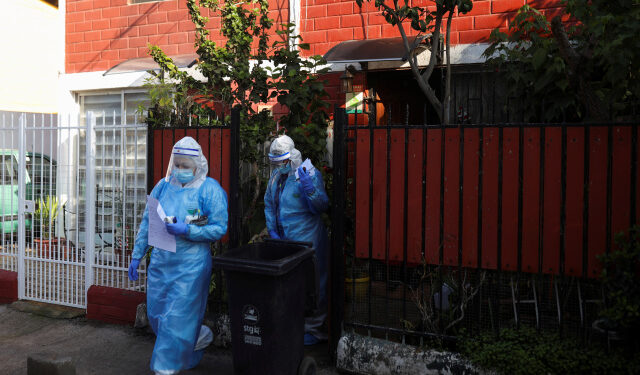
column 463, row 229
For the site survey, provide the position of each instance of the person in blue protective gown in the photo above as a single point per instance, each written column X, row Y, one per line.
column 293, row 207
column 178, row 283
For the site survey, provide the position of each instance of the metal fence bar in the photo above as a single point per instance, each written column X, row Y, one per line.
column 529, row 282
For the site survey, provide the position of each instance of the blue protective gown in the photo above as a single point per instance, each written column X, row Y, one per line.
column 296, row 216
column 178, row 283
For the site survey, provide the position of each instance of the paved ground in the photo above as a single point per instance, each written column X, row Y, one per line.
column 96, row 348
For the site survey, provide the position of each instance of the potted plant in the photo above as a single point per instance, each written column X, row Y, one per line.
column 44, row 227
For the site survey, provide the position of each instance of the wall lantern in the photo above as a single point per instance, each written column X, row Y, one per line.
column 347, row 79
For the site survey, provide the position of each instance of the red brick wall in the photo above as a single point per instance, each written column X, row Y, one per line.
column 102, row 33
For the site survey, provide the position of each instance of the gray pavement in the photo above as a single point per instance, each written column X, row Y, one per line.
column 97, row 348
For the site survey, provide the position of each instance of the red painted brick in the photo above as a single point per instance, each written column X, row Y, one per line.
column 119, row 22
column 474, row 36
column 178, row 15
column 339, row 35
column 74, row 37
column 461, row 23
column 74, row 57
column 389, row 31
column 376, row 19
column 168, row 5
column 90, row 36
column 143, row 51
column 159, row 39
column 110, row 34
column 110, row 12
column 100, row 24
column 315, row 11
column 82, row 47
column 502, row 6
column 138, row 42
column 328, row 23
column 166, row 28
column 307, row 25
column 75, row 17
column 185, row 26
column 148, row 30
column 93, row 15
column 83, row 26
column 374, row 32
column 71, row 7
column 117, row 3
column 170, row 50
column 128, row 53
column 339, row 9
column 479, row 8
column 322, row 48
column 352, row 20
column 544, row 4
column 157, row 17
column 178, row 38
column 490, row 21
column 358, row 33
column 109, row 54
column 314, row 37
column 120, row 43
column 101, row 3
column 100, row 45
column 130, row 10
column 84, row 5
column 453, row 38
column 185, row 48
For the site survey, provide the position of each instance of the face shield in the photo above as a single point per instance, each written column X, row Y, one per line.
column 187, row 165
column 283, row 155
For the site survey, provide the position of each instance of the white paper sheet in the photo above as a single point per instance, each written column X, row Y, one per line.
column 309, row 167
column 158, row 235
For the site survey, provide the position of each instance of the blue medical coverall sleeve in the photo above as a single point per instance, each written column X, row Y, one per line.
column 318, row 201
column 216, row 213
column 178, row 283
column 301, row 220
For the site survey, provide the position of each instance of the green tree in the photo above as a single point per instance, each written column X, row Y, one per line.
column 584, row 69
column 428, row 24
column 247, row 71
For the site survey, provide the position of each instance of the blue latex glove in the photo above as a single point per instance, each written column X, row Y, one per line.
column 179, row 228
column 273, row 234
column 306, row 182
column 133, row 269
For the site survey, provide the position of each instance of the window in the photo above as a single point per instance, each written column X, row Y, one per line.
column 121, row 151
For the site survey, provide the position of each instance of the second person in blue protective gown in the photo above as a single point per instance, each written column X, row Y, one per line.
column 178, row 283
column 293, row 204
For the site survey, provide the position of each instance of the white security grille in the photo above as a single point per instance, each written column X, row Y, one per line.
column 70, row 221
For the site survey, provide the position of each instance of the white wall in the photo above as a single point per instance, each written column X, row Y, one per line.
column 32, row 40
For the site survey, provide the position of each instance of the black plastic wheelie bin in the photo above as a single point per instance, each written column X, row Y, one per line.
column 268, row 286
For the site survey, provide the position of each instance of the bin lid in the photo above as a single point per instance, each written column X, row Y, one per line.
column 271, row 258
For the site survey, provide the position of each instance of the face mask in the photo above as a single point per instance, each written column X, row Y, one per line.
column 285, row 169
column 183, row 175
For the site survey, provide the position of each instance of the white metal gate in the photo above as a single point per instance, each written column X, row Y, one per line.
column 72, row 199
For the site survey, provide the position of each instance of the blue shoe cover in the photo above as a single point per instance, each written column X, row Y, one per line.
column 310, row 339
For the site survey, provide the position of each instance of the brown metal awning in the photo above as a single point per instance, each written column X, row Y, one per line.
column 146, row 63
column 385, row 49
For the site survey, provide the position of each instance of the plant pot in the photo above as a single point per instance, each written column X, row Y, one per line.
column 52, row 248
column 360, row 285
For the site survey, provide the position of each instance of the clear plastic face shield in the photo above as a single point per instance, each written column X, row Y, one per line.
column 182, row 164
column 280, row 162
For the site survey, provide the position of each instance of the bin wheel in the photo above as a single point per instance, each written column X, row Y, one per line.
column 307, row 366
